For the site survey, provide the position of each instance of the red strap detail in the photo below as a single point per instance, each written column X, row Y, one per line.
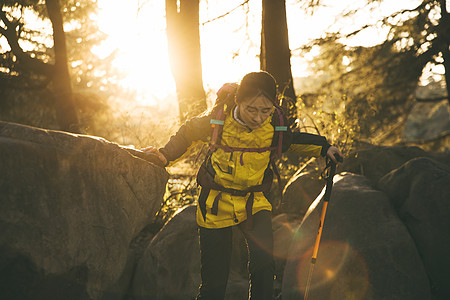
column 216, row 127
column 228, row 87
column 214, row 145
column 234, row 149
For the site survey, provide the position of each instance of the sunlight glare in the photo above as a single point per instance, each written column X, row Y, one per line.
column 303, row 27
column 230, row 45
column 140, row 37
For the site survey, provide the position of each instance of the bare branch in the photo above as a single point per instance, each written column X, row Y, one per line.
column 431, row 99
column 26, row 62
column 310, row 5
column 4, row 18
column 384, row 20
column 225, row 14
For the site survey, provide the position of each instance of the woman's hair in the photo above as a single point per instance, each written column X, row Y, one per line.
column 256, row 83
column 251, row 85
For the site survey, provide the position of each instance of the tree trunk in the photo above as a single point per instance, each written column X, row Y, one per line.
column 446, row 56
column 275, row 55
column 182, row 18
column 66, row 114
column 445, row 24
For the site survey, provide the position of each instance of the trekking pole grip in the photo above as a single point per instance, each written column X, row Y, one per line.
column 338, row 158
column 329, row 185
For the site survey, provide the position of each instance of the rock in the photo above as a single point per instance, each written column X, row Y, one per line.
column 433, row 89
column 121, row 289
column 70, row 206
column 420, row 191
column 300, row 192
column 170, row 266
column 365, row 252
column 283, row 234
column 372, row 161
column 376, row 161
column 427, row 121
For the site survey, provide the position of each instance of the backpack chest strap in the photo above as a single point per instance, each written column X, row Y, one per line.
column 230, row 149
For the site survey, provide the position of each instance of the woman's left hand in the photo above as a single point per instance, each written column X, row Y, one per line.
column 155, row 151
column 333, row 152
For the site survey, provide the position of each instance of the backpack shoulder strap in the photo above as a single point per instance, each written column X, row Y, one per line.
column 224, row 95
column 217, row 125
column 279, row 123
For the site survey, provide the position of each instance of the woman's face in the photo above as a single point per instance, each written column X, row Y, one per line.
column 254, row 111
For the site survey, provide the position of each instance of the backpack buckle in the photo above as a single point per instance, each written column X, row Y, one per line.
column 217, row 122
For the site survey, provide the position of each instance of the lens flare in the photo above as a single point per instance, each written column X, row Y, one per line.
column 283, row 237
column 339, row 273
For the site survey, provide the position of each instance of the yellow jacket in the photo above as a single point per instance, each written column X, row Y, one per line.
column 238, row 170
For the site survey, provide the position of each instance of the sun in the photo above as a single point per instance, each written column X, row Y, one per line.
column 138, row 35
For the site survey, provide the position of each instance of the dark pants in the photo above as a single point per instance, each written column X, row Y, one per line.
column 215, row 247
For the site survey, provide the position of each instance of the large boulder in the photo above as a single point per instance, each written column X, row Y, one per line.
column 365, row 252
column 371, row 161
column 300, row 192
column 376, row 161
column 170, row 266
column 420, row 191
column 70, row 206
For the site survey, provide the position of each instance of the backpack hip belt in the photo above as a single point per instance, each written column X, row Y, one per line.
column 206, row 180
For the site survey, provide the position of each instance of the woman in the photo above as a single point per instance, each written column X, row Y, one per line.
column 234, row 177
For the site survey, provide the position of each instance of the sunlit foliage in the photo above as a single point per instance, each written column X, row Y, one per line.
column 25, row 83
column 366, row 92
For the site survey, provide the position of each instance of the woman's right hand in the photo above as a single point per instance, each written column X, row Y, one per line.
column 156, row 152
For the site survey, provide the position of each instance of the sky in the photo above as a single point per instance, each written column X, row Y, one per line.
column 230, row 45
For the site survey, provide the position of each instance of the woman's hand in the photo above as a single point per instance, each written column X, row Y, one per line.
column 332, row 151
column 156, row 152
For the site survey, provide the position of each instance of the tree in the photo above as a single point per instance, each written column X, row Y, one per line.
column 27, row 90
column 275, row 56
column 66, row 113
column 374, row 85
column 182, row 19
column 24, row 68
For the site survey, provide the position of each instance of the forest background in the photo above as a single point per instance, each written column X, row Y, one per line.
column 132, row 72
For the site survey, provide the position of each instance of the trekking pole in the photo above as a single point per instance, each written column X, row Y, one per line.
column 326, row 199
